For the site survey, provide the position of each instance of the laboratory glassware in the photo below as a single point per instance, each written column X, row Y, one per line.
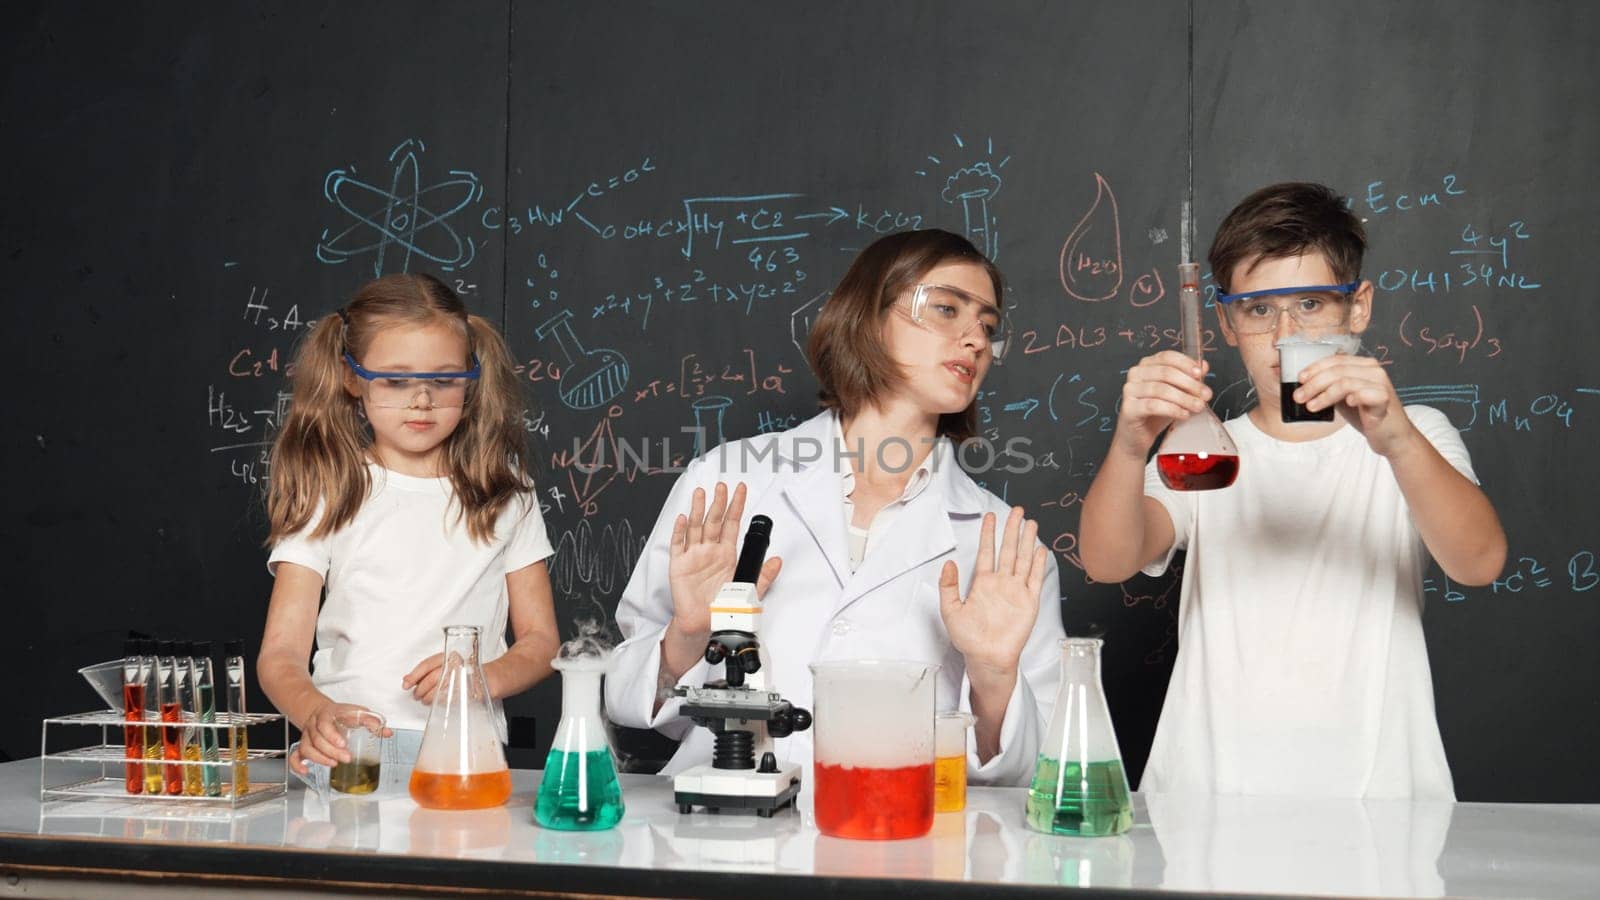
column 461, row 764
column 1196, row 453
column 1079, row 786
column 580, row 791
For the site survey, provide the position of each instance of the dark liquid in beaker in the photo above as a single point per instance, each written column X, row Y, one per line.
column 355, row 777
column 1197, row 471
column 1297, row 412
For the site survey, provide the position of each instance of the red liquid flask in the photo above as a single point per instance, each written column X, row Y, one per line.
column 1196, row 453
column 1197, row 471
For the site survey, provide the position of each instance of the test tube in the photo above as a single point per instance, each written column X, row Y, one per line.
column 152, row 712
column 238, row 743
column 203, row 679
column 133, row 679
column 171, row 717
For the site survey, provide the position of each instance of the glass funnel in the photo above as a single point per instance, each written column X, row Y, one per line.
column 1196, row 453
column 1079, row 786
column 580, row 790
column 461, row 764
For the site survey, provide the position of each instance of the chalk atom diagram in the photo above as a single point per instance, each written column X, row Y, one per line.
column 405, row 219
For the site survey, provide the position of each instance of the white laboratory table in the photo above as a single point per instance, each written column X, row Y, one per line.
column 386, row 845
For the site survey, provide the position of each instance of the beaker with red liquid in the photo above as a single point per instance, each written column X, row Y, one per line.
column 1196, row 453
column 461, row 764
column 874, row 737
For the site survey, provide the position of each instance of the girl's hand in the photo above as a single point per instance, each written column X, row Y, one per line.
column 322, row 738
column 704, row 553
column 1163, row 387
column 991, row 626
column 423, row 681
column 1361, row 390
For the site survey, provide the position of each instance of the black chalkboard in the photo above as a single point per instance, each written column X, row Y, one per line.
column 652, row 197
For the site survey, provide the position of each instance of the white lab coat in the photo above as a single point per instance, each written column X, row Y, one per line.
column 818, row 609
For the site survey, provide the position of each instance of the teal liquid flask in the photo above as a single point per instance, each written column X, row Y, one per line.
column 580, row 791
column 1079, row 787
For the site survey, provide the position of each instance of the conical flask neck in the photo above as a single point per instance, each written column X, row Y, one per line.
column 580, row 692
column 461, row 643
column 1080, row 663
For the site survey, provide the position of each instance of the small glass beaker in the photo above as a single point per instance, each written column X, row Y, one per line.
column 580, row 791
column 1295, row 353
column 461, row 764
column 873, row 764
column 950, row 760
column 1079, row 786
column 362, row 730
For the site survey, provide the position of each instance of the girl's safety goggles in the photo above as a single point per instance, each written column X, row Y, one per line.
column 954, row 313
column 400, row 390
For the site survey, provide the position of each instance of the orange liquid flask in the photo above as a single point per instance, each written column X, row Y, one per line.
column 461, row 764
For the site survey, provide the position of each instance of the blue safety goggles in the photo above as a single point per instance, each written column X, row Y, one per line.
column 1346, row 288
column 369, row 375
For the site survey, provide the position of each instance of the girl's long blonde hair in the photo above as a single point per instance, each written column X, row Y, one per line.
column 320, row 452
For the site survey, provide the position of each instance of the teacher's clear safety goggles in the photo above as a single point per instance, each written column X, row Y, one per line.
column 420, row 390
column 954, row 313
column 1315, row 307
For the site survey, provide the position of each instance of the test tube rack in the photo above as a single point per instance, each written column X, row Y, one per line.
column 62, row 773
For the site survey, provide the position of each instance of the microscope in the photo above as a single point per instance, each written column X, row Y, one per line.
column 742, row 714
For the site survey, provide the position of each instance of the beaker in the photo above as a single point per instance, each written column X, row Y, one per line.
column 461, row 764
column 1295, row 353
column 873, row 762
column 362, row 730
column 580, row 790
column 1196, row 453
column 1079, row 786
column 950, row 760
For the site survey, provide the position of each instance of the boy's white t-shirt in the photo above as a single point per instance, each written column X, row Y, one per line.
column 1301, row 664
column 402, row 570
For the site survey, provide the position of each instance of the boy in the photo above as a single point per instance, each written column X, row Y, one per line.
column 1301, row 667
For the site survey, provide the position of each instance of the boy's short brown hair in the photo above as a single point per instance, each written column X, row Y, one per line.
column 845, row 349
column 1286, row 220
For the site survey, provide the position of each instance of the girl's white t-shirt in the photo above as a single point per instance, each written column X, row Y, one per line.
column 1301, row 665
column 400, row 572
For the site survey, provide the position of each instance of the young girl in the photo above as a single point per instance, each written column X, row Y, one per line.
column 887, row 548
column 399, row 486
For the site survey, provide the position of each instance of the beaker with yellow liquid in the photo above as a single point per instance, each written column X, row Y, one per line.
column 461, row 764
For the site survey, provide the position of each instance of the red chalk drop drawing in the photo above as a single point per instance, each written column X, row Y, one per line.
column 1091, row 258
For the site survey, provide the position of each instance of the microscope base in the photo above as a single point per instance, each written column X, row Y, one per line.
column 718, row 789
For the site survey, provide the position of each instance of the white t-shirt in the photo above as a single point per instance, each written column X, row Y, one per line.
column 401, row 571
column 1301, row 665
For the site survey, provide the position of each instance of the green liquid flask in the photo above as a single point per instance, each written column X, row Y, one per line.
column 580, row 791
column 1079, row 787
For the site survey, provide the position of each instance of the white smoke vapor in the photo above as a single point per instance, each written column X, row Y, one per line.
column 593, row 640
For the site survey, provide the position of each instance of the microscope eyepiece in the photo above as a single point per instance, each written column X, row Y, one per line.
column 756, row 538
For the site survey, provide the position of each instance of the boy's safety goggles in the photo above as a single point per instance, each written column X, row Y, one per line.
column 954, row 313
column 1315, row 306
column 401, row 390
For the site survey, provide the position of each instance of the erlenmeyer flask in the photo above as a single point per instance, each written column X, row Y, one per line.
column 1196, row 453
column 1079, row 787
column 580, row 790
column 461, row 764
